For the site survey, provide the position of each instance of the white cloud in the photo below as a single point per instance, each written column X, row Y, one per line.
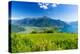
column 45, row 5
column 54, row 5
column 39, row 3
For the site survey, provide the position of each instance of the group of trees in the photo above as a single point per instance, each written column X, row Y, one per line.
column 46, row 30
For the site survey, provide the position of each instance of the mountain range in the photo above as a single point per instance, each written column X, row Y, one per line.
column 45, row 21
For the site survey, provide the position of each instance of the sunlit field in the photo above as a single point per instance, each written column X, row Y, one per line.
column 22, row 42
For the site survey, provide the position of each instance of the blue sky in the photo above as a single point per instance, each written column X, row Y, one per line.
column 64, row 12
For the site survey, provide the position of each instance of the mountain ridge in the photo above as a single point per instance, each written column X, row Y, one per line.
column 45, row 21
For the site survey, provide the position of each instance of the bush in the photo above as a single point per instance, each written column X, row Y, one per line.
column 34, row 32
column 49, row 31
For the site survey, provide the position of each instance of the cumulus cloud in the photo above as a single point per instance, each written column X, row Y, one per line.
column 45, row 5
column 54, row 5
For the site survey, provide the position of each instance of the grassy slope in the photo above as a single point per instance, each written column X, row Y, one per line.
column 43, row 41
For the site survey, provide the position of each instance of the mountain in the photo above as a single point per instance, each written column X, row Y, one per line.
column 16, row 28
column 40, row 22
column 46, row 22
column 73, row 27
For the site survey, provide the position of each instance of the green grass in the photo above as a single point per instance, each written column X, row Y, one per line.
column 21, row 42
